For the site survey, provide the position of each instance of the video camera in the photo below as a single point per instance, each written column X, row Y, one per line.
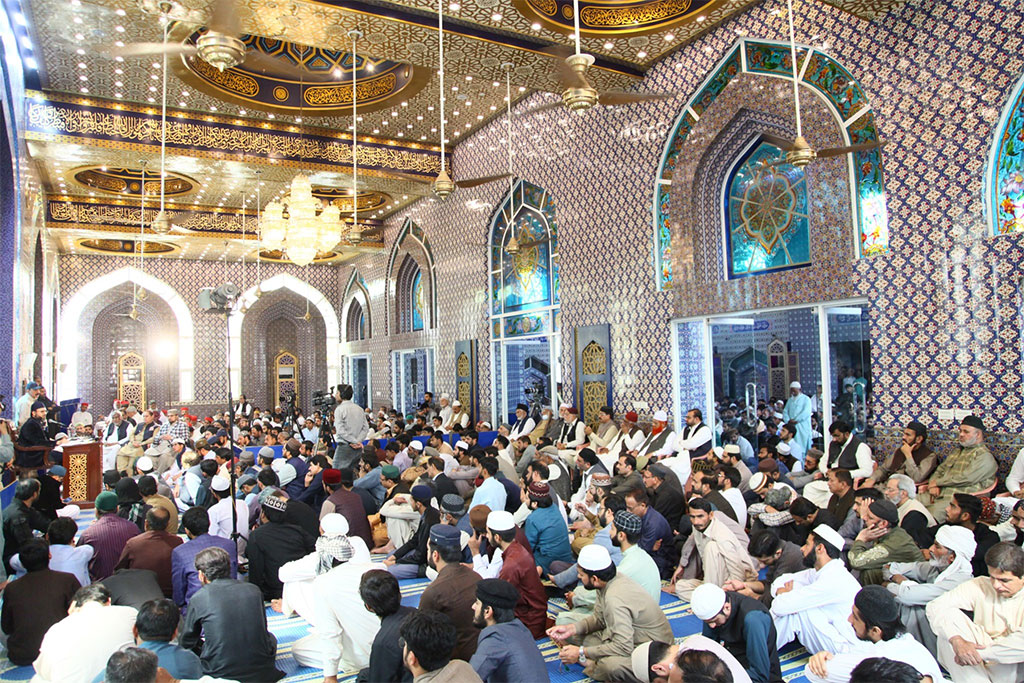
column 323, row 400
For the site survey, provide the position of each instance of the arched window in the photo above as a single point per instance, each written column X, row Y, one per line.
column 524, row 299
column 409, row 282
column 766, row 225
column 355, row 322
column 1006, row 168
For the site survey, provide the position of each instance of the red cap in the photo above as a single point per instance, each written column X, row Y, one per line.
column 332, row 476
column 631, row 416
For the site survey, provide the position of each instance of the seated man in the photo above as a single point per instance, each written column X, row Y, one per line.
column 845, row 451
column 506, row 649
column 184, row 577
column 515, row 564
column 227, row 624
column 965, row 510
column 901, row 491
column 381, row 595
column 156, row 629
column 722, row 556
column 65, row 556
column 984, row 646
column 915, row 584
column 624, row 616
column 813, row 606
column 911, row 459
column 152, row 549
column 452, row 592
column 409, row 560
column 428, row 638
column 273, row 544
column 656, row 535
column 744, row 626
column 968, row 470
column 875, row 617
column 131, row 665
column 77, row 647
column 880, row 542
column 778, row 557
column 657, row 662
column 545, row 528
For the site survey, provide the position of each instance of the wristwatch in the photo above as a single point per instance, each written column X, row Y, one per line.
column 583, row 656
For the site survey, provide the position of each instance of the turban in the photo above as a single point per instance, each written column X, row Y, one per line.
column 958, row 539
column 330, row 549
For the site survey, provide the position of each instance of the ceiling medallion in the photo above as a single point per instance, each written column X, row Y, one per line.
column 279, row 256
column 366, row 200
column 128, row 181
column 605, row 18
column 122, row 247
column 283, row 77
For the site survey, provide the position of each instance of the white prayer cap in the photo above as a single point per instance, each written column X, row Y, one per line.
column 485, row 424
column 499, row 520
column 209, row 456
column 718, row 451
column 334, row 525
column 825, row 533
column 732, row 448
column 416, row 445
column 219, row 483
column 565, row 406
column 59, row 436
column 286, row 474
column 553, row 473
column 641, row 661
column 757, row 480
column 277, row 464
column 707, row 601
column 144, row 464
column 958, row 539
column 782, row 448
column 179, row 440
column 445, row 396
column 463, row 445
column 457, row 402
column 301, row 421
column 661, row 416
column 794, row 385
column 594, row 558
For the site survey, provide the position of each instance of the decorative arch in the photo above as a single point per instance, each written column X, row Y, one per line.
column 67, row 351
column 846, row 101
column 357, row 294
column 413, row 241
column 1004, row 186
column 303, row 289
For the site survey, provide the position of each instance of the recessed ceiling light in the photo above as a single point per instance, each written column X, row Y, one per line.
column 79, row 51
column 298, row 119
column 535, row 26
column 119, row 12
column 83, row 77
column 701, row 19
column 641, row 54
column 79, row 36
column 454, row 6
column 270, row 116
column 496, row 17
column 81, row 65
column 669, row 37
column 84, row 91
column 119, row 29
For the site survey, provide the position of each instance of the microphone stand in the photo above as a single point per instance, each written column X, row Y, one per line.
column 231, row 434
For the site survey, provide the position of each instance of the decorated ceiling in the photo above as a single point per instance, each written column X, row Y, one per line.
column 236, row 137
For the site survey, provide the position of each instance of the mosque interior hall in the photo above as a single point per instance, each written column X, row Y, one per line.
column 592, row 210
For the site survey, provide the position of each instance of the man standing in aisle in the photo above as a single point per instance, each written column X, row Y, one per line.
column 349, row 428
column 798, row 412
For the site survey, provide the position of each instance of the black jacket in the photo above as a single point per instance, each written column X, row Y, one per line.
column 19, row 522
column 386, row 659
column 271, row 546
column 442, row 486
column 226, row 625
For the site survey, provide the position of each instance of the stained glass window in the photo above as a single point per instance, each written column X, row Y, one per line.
column 766, row 223
column 417, row 301
column 409, row 302
column 1006, row 177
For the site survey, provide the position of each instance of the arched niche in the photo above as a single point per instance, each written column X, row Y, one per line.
column 356, row 305
column 412, row 243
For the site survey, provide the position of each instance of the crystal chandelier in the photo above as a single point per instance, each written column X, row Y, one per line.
column 302, row 233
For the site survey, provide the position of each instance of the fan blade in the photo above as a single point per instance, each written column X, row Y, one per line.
column 223, row 18
column 149, row 50
column 476, row 182
column 620, row 97
column 782, row 143
column 566, row 76
column 839, row 151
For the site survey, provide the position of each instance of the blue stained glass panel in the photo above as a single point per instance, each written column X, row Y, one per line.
column 526, row 275
column 417, row 302
column 766, row 214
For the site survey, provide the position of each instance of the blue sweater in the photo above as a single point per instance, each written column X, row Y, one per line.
column 548, row 536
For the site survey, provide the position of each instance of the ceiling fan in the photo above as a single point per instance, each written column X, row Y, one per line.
column 579, row 95
column 220, row 46
column 798, row 152
column 443, row 185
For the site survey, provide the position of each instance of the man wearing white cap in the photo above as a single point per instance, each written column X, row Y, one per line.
column 445, row 409
column 915, row 584
column 798, row 412
column 458, row 417
column 654, row 662
column 813, row 606
column 744, row 626
column 343, row 629
column 624, row 616
column 220, row 514
column 660, row 442
column 297, row 595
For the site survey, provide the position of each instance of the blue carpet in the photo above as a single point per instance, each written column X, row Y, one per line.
column 288, row 630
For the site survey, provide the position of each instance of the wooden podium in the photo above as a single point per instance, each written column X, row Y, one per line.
column 84, row 480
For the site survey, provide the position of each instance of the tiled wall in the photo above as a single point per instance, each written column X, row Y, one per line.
column 945, row 313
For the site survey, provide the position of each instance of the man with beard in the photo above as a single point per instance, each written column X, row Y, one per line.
column 665, row 496
column 722, row 555
column 875, row 618
column 880, row 542
column 970, row 469
column 846, row 451
column 813, row 605
column 626, row 477
column 798, row 413
column 624, row 616
column 901, row 491
column 660, row 442
column 913, row 458
column 516, row 567
column 778, row 557
column 452, row 592
column 506, row 649
column 915, row 584
column 627, row 438
column 744, row 626
column 965, row 510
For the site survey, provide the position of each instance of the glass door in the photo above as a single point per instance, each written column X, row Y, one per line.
column 849, row 361
column 414, row 374
column 359, row 378
column 739, row 375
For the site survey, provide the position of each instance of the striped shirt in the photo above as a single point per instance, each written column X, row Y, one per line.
column 108, row 536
